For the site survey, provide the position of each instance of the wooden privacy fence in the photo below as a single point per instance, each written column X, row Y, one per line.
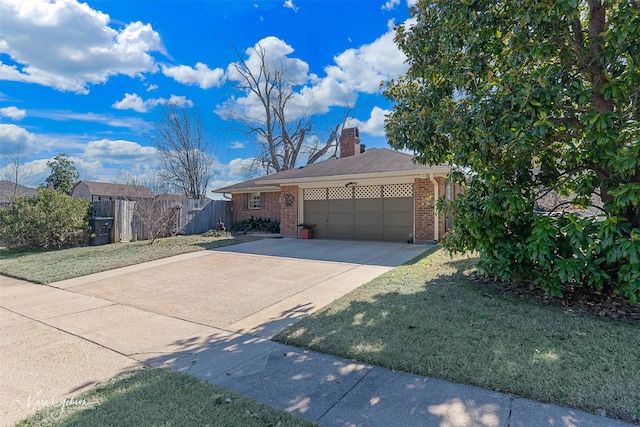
column 188, row 216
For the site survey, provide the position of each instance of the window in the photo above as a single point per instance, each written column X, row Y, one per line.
column 254, row 201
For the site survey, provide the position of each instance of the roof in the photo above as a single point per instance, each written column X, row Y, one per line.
column 8, row 189
column 374, row 163
column 115, row 190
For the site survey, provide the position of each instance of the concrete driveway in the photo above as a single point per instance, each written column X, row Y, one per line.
column 247, row 287
column 59, row 339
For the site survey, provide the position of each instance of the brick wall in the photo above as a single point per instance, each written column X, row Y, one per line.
column 349, row 142
column 270, row 208
column 424, row 205
column 289, row 214
column 423, row 209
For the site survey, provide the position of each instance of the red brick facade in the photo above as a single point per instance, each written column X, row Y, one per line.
column 424, row 209
column 283, row 206
column 289, row 214
column 269, row 209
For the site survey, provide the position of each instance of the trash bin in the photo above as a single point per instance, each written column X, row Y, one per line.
column 101, row 228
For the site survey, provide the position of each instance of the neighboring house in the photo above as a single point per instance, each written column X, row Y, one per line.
column 376, row 194
column 10, row 189
column 99, row 191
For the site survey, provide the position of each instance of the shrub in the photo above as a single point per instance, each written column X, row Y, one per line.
column 216, row 233
column 256, row 224
column 51, row 219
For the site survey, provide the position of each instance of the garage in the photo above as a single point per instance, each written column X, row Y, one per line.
column 366, row 212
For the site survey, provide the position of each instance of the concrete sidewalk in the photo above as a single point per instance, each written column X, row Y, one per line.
column 58, row 340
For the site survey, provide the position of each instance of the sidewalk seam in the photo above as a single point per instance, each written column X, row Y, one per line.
column 511, row 400
column 346, row 393
column 75, row 335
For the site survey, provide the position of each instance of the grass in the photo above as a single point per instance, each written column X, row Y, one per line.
column 39, row 266
column 159, row 397
column 430, row 318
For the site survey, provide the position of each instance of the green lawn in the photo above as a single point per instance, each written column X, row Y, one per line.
column 430, row 318
column 159, row 397
column 40, row 266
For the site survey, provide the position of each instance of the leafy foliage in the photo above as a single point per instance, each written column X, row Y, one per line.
column 525, row 98
column 63, row 173
column 256, row 224
column 51, row 219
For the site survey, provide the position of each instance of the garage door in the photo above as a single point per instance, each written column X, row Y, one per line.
column 376, row 212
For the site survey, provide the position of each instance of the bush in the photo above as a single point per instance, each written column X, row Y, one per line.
column 216, row 233
column 51, row 219
column 256, row 224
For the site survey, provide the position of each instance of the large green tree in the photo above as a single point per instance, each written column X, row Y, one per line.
column 528, row 97
column 63, row 173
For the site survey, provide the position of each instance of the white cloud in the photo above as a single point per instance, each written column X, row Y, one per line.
column 237, row 168
column 120, row 152
column 68, row 45
column 277, row 58
column 364, row 68
column 30, row 174
column 237, row 144
column 16, row 140
column 131, row 101
column 374, row 125
column 390, row 5
column 134, row 123
column 136, row 103
column 201, row 75
column 289, row 4
column 13, row 113
column 356, row 70
column 152, row 87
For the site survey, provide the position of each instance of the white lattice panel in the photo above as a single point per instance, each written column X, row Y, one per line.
column 368, row 192
column 336, row 193
column 315, row 194
column 397, row 190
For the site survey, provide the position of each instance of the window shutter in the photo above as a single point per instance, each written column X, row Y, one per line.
column 246, row 200
column 261, row 200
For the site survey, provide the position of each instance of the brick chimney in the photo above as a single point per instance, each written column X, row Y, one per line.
column 349, row 142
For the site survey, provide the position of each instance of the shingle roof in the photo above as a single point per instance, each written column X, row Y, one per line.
column 8, row 189
column 116, row 190
column 374, row 161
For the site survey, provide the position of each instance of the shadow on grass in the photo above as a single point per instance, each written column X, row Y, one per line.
column 154, row 397
column 423, row 318
column 446, row 327
column 324, row 388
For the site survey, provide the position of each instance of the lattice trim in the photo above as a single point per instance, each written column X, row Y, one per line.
column 368, row 192
column 397, row 190
column 338, row 193
column 314, row 194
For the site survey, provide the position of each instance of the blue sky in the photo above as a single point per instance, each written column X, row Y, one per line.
column 89, row 79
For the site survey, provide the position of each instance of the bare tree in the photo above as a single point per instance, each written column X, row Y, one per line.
column 282, row 135
column 184, row 151
column 17, row 172
column 157, row 215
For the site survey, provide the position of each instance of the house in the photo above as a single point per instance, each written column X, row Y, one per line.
column 10, row 189
column 376, row 194
column 100, row 191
